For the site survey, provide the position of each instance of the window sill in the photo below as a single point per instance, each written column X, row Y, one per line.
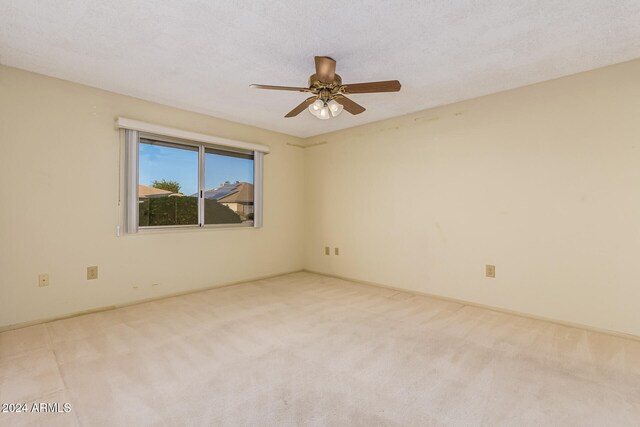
column 190, row 228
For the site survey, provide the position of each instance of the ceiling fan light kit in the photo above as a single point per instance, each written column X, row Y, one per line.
column 328, row 92
column 325, row 110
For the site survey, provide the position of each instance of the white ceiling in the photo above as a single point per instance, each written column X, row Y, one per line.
column 202, row 55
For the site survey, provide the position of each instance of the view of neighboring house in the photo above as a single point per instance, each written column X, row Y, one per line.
column 146, row 192
column 237, row 196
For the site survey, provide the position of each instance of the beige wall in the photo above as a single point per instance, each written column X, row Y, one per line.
column 542, row 181
column 59, row 168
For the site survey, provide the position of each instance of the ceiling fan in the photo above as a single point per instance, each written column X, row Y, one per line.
column 329, row 93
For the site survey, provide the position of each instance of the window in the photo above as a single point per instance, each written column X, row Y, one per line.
column 167, row 184
column 178, row 183
column 228, row 180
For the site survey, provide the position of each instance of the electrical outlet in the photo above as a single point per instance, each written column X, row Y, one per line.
column 92, row 272
column 336, row 251
column 43, row 280
column 490, row 270
column 327, row 250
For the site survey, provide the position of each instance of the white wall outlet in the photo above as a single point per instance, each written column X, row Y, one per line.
column 327, row 250
column 92, row 272
column 43, row 280
column 336, row 251
column 490, row 270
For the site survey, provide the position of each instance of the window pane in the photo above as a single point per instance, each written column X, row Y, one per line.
column 228, row 196
column 168, row 184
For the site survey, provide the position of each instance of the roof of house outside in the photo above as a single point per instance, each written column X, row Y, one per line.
column 146, row 191
column 238, row 192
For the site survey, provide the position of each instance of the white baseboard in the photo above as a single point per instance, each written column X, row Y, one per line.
column 487, row 307
column 139, row 301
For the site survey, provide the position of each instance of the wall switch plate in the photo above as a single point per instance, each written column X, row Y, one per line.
column 336, row 251
column 92, row 272
column 490, row 270
column 43, row 280
column 327, row 250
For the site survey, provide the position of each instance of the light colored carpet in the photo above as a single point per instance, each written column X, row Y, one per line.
column 305, row 349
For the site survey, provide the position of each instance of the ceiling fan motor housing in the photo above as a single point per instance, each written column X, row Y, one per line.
column 315, row 82
column 325, row 91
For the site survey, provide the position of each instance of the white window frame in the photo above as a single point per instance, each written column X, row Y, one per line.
column 135, row 130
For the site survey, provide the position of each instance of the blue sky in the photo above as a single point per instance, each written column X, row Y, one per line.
column 174, row 164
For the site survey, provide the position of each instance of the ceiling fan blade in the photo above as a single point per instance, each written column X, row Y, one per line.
column 301, row 107
column 295, row 89
column 325, row 69
column 372, row 87
column 352, row 107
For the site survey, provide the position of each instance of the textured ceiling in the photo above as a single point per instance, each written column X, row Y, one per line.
column 202, row 55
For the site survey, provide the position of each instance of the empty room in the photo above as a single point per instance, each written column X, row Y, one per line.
column 230, row 213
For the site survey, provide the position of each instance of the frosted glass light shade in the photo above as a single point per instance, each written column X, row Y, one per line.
column 317, row 105
column 324, row 113
column 335, row 107
column 324, row 110
column 313, row 110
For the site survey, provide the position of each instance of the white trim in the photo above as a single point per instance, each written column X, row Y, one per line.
column 131, row 180
column 258, row 174
column 201, row 188
column 625, row 335
column 159, row 229
column 13, row 326
column 125, row 123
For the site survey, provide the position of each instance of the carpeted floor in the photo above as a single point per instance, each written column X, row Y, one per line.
column 305, row 349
